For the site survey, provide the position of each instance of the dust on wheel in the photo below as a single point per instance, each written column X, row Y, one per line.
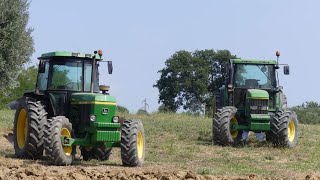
column 223, row 134
column 28, row 124
column 285, row 129
column 132, row 143
column 57, row 128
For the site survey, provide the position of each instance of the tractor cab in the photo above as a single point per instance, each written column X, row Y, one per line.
column 251, row 76
column 62, row 74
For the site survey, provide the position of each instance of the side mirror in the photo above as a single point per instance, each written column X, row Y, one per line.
column 286, row 70
column 110, row 67
column 42, row 66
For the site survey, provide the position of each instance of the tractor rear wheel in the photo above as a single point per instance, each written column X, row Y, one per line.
column 222, row 127
column 284, row 129
column 218, row 101
column 132, row 143
column 101, row 154
column 29, row 120
column 57, row 128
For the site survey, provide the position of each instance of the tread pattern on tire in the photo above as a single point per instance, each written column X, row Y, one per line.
column 53, row 146
column 217, row 101
column 221, row 127
column 279, row 129
column 37, row 117
column 128, row 144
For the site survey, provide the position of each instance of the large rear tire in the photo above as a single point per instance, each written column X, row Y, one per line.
column 57, row 128
column 132, row 143
column 221, row 127
column 29, row 121
column 285, row 129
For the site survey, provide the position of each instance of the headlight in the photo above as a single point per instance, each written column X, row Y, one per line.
column 264, row 108
column 115, row 119
column 92, row 118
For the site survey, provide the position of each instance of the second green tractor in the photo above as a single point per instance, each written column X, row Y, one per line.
column 253, row 100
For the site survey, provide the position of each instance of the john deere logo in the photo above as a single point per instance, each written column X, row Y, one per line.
column 105, row 110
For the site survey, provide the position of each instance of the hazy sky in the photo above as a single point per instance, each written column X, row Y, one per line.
column 138, row 36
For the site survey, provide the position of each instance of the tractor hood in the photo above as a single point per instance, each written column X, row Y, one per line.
column 92, row 98
column 257, row 94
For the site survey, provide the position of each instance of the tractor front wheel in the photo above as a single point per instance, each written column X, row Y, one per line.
column 222, row 131
column 58, row 128
column 284, row 129
column 132, row 143
column 28, row 124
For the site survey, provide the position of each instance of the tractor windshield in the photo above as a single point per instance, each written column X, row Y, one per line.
column 67, row 74
column 254, row 76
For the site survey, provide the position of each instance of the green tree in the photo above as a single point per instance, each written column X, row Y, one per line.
column 163, row 109
column 190, row 79
column 16, row 44
column 27, row 80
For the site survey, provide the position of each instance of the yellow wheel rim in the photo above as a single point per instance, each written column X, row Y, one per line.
column 66, row 149
column 22, row 128
column 291, row 131
column 234, row 133
column 140, row 144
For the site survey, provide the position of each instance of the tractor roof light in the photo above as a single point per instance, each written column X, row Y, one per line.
column 100, row 52
column 277, row 54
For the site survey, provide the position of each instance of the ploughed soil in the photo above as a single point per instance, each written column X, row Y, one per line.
column 14, row 168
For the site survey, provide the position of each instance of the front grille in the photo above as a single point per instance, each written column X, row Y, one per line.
column 79, row 116
column 261, row 106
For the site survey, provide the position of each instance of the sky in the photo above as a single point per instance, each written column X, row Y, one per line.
column 138, row 36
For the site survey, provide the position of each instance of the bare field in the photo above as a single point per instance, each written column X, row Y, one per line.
column 178, row 147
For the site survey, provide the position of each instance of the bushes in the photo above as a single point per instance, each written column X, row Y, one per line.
column 122, row 109
column 308, row 112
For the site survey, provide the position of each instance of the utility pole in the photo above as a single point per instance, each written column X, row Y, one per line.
column 204, row 109
column 145, row 105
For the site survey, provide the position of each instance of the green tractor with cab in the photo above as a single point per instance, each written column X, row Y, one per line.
column 253, row 100
column 69, row 109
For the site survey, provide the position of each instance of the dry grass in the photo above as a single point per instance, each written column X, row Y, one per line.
column 6, row 119
column 184, row 142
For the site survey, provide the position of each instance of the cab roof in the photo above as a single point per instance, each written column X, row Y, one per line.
column 68, row 54
column 253, row 61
